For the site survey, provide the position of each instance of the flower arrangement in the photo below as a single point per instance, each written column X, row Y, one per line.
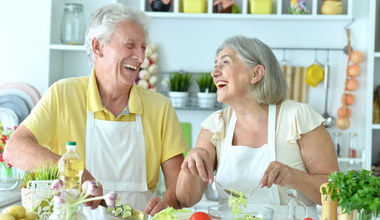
column 71, row 199
column 298, row 7
column 147, row 77
column 354, row 190
column 5, row 135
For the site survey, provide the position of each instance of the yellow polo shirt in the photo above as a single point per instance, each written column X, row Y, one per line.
column 60, row 116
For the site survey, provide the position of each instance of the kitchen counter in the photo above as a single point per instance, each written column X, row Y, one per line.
column 10, row 198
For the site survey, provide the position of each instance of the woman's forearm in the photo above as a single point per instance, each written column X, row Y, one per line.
column 189, row 189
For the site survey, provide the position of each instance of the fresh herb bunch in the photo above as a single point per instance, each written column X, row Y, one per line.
column 45, row 172
column 354, row 190
column 180, row 81
column 206, row 82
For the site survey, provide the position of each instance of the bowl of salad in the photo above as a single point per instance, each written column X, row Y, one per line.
column 243, row 212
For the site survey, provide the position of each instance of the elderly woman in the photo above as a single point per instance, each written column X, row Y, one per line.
column 262, row 139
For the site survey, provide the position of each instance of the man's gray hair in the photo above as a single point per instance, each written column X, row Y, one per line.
column 104, row 23
column 272, row 88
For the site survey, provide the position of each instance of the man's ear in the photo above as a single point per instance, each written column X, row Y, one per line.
column 258, row 73
column 97, row 47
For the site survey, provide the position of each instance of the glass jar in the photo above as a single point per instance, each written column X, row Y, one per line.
column 352, row 150
column 337, row 143
column 8, row 177
column 73, row 24
column 68, row 212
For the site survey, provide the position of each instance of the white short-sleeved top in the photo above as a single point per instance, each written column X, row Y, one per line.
column 293, row 120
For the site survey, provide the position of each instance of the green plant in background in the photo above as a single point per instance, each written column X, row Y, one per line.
column 355, row 190
column 206, row 83
column 45, row 172
column 180, row 81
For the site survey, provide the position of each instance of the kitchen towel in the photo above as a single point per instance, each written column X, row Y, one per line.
column 295, row 78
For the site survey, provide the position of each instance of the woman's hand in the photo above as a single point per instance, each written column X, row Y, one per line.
column 277, row 173
column 198, row 163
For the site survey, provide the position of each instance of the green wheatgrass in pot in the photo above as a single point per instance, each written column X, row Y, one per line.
column 206, row 83
column 47, row 171
column 180, row 81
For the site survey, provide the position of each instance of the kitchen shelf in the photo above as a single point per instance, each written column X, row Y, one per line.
column 377, row 54
column 249, row 16
column 279, row 11
column 350, row 160
column 376, row 126
column 65, row 47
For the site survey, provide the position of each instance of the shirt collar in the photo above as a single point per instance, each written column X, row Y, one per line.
column 94, row 103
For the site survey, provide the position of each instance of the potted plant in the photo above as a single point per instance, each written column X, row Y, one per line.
column 207, row 91
column 36, row 194
column 179, row 84
column 357, row 193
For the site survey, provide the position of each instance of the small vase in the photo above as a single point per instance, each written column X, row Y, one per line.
column 67, row 212
column 8, row 177
column 179, row 99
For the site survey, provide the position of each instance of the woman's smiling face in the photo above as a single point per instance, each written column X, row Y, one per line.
column 231, row 76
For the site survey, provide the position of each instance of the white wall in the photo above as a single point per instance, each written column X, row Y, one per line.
column 24, row 38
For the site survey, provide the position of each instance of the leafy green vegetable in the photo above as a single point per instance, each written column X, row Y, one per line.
column 354, row 190
column 235, row 201
column 206, row 82
column 172, row 213
column 180, row 81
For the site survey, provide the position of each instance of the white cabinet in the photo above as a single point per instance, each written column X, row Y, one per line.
column 373, row 60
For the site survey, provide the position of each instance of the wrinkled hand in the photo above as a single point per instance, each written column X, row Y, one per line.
column 155, row 205
column 277, row 173
column 87, row 176
column 197, row 163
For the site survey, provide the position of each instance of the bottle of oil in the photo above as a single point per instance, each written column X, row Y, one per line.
column 71, row 167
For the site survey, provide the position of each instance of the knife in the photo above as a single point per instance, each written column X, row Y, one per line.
column 135, row 214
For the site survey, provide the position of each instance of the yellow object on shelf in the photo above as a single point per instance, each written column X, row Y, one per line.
column 314, row 75
column 195, row 6
column 261, row 6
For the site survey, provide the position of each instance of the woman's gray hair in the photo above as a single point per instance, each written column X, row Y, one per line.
column 104, row 23
column 272, row 88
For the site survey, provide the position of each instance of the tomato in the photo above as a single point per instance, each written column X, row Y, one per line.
column 200, row 216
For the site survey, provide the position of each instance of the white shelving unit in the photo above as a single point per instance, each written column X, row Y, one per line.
column 373, row 60
column 279, row 11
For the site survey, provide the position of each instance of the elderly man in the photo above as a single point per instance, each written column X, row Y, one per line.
column 124, row 132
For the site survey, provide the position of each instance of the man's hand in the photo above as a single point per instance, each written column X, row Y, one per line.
column 87, row 176
column 155, row 205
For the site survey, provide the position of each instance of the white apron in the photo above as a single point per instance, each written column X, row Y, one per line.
column 241, row 168
column 115, row 156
